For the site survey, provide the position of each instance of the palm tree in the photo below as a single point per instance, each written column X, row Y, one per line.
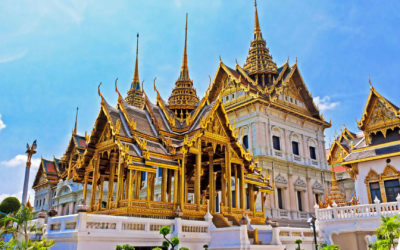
column 389, row 229
column 19, row 226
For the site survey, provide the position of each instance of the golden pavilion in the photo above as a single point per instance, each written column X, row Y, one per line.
column 188, row 142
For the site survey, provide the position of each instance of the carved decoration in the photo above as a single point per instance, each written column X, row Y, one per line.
column 281, row 179
column 372, row 176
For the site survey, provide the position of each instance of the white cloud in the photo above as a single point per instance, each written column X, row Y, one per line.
column 325, row 103
column 2, row 124
column 13, row 57
column 18, row 195
column 20, row 161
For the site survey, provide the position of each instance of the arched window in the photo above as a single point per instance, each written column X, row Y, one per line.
column 246, row 141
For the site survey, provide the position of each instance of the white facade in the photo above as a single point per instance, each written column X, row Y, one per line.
column 301, row 179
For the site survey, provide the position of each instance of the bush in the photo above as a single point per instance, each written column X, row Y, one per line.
column 10, row 205
column 124, row 247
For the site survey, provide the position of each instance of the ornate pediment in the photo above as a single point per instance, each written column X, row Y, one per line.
column 379, row 115
column 281, row 179
column 317, row 186
column 390, row 172
column 300, row 183
column 372, row 176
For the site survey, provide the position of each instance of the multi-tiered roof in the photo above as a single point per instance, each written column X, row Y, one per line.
column 183, row 98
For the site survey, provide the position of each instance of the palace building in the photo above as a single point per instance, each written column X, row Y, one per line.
column 372, row 159
column 280, row 125
column 251, row 148
column 189, row 144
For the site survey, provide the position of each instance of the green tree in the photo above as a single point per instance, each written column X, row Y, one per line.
column 164, row 231
column 124, row 247
column 19, row 226
column 388, row 231
column 10, row 205
column 329, row 247
column 298, row 242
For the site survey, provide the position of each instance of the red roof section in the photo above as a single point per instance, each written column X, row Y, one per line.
column 339, row 169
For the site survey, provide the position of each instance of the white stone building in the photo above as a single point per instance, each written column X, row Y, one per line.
column 374, row 164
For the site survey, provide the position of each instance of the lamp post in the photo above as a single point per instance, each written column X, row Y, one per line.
column 30, row 150
column 312, row 220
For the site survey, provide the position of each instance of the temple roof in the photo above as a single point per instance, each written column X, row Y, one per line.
column 135, row 93
column 259, row 60
column 183, row 98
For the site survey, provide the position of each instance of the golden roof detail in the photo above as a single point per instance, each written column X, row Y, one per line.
column 259, row 61
column 135, row 93
column 183, row 98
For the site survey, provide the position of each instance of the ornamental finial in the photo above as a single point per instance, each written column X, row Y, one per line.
column 76, row 121
column 370, row 83
column 136, row 74
column 257, row 29
column 98, row 88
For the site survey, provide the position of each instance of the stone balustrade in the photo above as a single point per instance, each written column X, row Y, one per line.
column 377, row 209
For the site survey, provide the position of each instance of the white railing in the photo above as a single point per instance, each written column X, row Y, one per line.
column 377, row 209
column 96, row 223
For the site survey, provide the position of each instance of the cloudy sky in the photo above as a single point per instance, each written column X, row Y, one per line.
column 53, row 54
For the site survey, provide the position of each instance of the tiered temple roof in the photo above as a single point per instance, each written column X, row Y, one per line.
column 183, row 98
column 135, row 95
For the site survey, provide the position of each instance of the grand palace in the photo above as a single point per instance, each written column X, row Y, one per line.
column 243, row 167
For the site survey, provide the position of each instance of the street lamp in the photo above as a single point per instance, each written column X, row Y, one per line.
column 30, row 150
column 312, row 220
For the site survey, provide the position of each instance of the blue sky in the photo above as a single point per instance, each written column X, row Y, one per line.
column 53, row 54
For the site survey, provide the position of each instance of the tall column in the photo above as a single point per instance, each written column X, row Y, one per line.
column 211, row 184
column 101, row 192
column 153, row 179
column 110, row 194
column 96, row 163
column 263, row 202
column 164, row 184
column 176, row 186
column 126, row 192
column 138, row 184
column 228, row 175
column 223, row 201
column 242, row 187
column 132, row 177
column 251, row 198
column 182, row 182
column 148, row 196
column 291, row 204
column 120, row 179
column 197, row 189
column 85, row 183
column 310, row 199
column 236, row 187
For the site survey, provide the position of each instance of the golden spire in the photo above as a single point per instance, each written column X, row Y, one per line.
column 184, row 75
column 76, row 121
column 136, row 74
column 135, row 93
column 257, row 29
column 183, row 98
column 259, row 64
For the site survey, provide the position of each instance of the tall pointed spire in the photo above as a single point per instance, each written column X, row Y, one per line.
column 184, row 75
column 257, row 30
column 259, row 64
column 76, row 121
column 135, row 93
column 136, row 74
column 183, row 98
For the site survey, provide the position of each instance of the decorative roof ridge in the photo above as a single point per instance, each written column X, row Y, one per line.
column 160, row 102
column 386, row 102
column 336, row 142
